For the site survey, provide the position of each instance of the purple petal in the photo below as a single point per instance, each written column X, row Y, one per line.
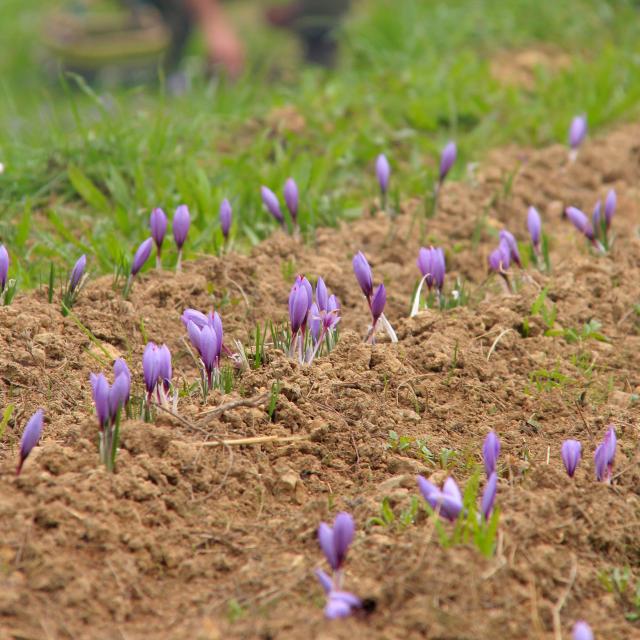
column 322, row 295
column 570, row 452
column 378, row 302
column 192, row 315
column 577, row 131
column 141, row 256
column 582, row 631
column 4, row 267
column 324, row 580
column 508, row 238
column 343, row 532
column 449, row 154
column 610, row 207
column 383, row 172
column 225, row 217
column 490, row 452
column 118, row 395
column 534, row 225
column 77, row 272
column 150, row 366
column 291, row 198
column 580, row 221
column 270, row 201
column 489, row 495
column 325, row 538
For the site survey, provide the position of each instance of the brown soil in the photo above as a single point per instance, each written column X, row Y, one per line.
column 187, row 541
column 521, row 67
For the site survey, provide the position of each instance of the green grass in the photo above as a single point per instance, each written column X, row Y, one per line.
column 85, row 166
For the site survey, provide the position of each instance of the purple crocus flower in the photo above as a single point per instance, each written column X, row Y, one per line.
column 500, row 258
column 181, row 224
column 582, row 631
column 448, row 500
column 334, row 541
column 30, row 437
column 490, row 452
column 577, row 131
column 4, row 267
column 156, row 368
column 208, row 343
column 141, row 256
column 489, row 495
column 100, row 390
column 383, row 173
column 158, row 223
column 605, row 455
column 225, row 218
column 300, row 300
column 534, row 225
column 610, row 207
column 118, row 395
column 509, row 240
column 77, row 272
column 341, row 604
column 120, row 368
column 378, row 302
column 448, row 157
column 292, row 198
column 580, row 221
column 571, row 452
column 270, row 201
column 432, row 266
column 363, row 274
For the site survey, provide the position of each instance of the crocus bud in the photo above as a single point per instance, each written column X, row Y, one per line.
column 165, row 371
column 225, row 218
column 448, row 500
column 490, row 452
column 150, row 366
column 489, row 495
column 383, row 173
column 334, row 541
column 291, row 198
column 181, row 223
column 77, row 272
column 30, row 437
column 100, row 390
column 300, row 300
column 118, row 395
column 605, row 455
column 363, row 274
column 120, row 368
column 378, row 302
column 534, row 225
column 158, row 223
column 577, row 131
column 580, row 221
column 582, row 631
column 508, row 238
column 141, row 256
column 4, row 267
column 571, row 451
column 500, row 258
column 270, row 201
column 447, row 159
column 610, row 207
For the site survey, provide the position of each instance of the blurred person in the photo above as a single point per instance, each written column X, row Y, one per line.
column 86, row 36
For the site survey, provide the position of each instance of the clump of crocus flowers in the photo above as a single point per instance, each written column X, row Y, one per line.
column 206, row 336
column 109, row 401
column 375, row 299
column 157, row 371
column 76, row 281
column 431, row 264
column 596, row 230
column 30, row 437
column 313, row 322
column 500, row 259
column 334, row 542
column 291, row 198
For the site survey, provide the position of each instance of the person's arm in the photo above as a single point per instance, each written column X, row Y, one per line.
column 223, row 45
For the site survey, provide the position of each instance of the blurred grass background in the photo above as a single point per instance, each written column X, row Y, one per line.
column 85, row 166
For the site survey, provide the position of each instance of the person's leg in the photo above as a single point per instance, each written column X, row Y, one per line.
column 179, row 20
